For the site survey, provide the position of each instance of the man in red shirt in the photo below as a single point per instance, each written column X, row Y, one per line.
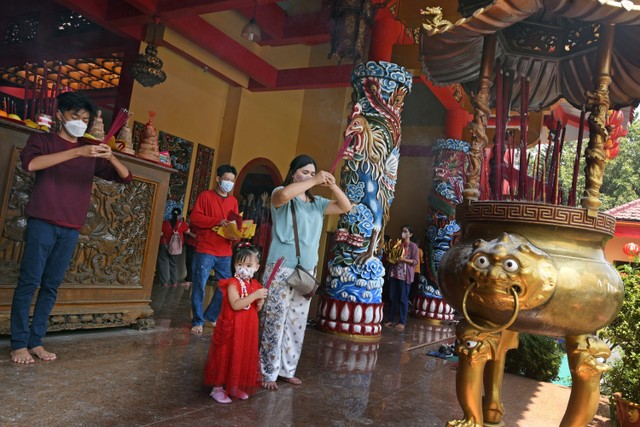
column 64, row 169
column 213, row 251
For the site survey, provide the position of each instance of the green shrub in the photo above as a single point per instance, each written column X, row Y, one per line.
column 537, row 357
column 624, row 334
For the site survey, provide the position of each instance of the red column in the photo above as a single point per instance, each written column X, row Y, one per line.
column 386, row 32
column 455, row 122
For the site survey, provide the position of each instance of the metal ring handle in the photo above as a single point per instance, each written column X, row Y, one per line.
column 482, row 328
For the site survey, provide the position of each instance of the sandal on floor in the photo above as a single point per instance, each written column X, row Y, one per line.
column 239, row 395
column 399, row 327
column 219, row 395
column 197, row 330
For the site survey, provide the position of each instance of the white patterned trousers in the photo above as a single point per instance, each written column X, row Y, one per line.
column 283, row 324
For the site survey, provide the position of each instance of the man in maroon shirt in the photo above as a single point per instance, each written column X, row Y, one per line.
column 64, row 168
column 212, row 208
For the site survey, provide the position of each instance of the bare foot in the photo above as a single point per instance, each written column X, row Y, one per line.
column 43, row 354
column 21, row 356
column 197, row 330
column 292, row 380
column 270, row 385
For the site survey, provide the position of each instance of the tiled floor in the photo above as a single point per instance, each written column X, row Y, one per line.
column 124, row 377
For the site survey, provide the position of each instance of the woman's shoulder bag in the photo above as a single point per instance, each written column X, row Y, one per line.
column 301, row 279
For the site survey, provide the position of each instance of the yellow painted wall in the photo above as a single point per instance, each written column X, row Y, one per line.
column 189, row 104
column 267, row 126
column 280, row 125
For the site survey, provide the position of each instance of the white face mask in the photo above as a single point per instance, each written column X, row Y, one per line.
column 226, row 186
column 244, row 273
column 75, row 128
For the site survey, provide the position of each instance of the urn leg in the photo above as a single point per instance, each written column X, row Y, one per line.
column 492, row 406
column 475, row 349
column 587, row 355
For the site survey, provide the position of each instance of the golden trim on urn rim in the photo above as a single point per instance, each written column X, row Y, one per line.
column 535, row 213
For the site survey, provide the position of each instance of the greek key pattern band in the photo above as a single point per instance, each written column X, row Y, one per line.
column 535, row 214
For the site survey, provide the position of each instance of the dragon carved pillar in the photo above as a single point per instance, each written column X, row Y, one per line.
column 598, row 103
column 448, row 184
column 352, row 304
column 478, row 127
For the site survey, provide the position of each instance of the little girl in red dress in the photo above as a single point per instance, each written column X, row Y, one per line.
column 232, row 364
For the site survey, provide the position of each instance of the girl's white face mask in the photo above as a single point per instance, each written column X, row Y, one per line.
column 245, row 273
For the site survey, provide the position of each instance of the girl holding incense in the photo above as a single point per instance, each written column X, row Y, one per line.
column 232, row 365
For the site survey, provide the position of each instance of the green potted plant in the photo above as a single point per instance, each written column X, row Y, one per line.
column 623, row 381
column 537, row 356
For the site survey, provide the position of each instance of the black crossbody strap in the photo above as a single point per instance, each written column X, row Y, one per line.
column 295, row 230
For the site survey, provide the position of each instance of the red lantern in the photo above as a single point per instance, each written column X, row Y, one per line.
column 631, row 249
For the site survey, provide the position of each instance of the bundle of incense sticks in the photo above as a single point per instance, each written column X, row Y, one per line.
column 26, row 91
column 576, row 165
column 272, row 276
column 341, row 152
column 119, row 121
column 516, row 181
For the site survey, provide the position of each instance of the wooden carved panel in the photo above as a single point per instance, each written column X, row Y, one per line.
column 111, row 246
column 180, row 150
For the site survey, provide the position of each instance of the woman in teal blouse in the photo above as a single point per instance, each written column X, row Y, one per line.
column 285, row 311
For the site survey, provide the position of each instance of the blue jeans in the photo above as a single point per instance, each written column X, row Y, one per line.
column 200, row 269
column 47, row 252
column 399, row 299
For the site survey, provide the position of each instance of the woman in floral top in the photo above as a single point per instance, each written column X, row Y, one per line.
column 400, row 280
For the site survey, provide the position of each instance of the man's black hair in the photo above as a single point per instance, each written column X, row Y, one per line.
column 76, row 101
column 226, row 169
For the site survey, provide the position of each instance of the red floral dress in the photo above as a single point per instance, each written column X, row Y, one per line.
column 233, row 353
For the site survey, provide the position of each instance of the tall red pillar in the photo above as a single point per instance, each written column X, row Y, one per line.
column 455, row 122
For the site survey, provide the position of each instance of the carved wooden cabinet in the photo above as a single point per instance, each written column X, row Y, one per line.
column 109, row 280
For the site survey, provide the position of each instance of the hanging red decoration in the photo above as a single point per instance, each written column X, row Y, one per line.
column 631, row 249
column 616, row 130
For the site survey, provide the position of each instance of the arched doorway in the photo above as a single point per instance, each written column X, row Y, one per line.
column 254, row 185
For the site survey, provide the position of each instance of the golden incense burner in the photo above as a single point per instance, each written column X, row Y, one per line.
column 549, row 259
column 533, row 268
